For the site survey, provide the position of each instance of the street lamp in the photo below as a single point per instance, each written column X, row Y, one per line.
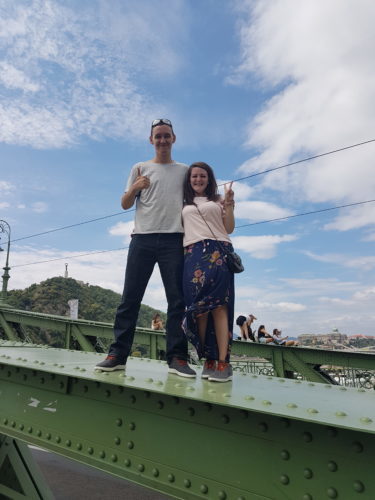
column 5, row 228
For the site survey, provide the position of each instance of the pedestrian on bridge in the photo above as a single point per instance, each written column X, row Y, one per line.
column 156, row 187
column 208, row 282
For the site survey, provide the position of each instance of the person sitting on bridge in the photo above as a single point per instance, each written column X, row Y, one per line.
column 156, row 186
column 245, row 327
column 157, row 322
column 208, row 282
column 263, row 336
column 282, row 340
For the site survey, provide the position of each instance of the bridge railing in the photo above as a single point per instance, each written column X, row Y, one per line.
column 316, row 365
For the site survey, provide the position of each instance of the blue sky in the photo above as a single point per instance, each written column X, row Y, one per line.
column 249, row 86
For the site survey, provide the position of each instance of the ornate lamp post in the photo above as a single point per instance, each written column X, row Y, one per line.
column 5, row 228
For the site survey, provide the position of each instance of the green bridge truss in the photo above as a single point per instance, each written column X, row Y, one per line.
column 258, row 437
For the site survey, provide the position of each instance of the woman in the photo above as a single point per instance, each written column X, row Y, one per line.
column 208, row 283
column 245, row 327
column 157, row 322
column 263, row 336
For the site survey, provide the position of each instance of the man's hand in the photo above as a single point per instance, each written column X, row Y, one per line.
column 141, row 182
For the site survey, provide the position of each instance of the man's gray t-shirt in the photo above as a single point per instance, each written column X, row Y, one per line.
column 158, row 208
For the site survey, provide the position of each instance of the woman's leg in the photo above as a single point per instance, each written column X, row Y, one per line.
column 220, row 315
column 202, row 327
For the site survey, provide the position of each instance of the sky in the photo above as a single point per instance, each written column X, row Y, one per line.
column 249, row 86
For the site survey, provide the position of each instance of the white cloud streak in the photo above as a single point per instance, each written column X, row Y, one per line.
column 261, row 247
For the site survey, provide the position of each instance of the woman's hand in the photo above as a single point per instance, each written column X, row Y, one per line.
column 228, row 195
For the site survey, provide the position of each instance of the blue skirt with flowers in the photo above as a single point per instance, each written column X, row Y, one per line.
column 208, row 284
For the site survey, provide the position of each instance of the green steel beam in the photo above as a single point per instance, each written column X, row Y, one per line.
column 285, row 360
column 20, row 477
column 253, row 438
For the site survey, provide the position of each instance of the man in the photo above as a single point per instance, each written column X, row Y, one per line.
column 157, row 188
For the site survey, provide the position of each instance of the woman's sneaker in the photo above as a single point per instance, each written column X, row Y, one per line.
column 208, row 368
column 223, row 372
column 181, row 368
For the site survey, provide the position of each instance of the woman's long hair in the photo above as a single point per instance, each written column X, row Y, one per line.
column 211, row 190
column 260, row 328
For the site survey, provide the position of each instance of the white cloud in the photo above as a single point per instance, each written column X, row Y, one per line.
column 289, row 307
column 242, row 191
column 260, row 210
column 68, row 74
column 325, row 94
column 353, row 218
column 369, row 237
column 366, row 262
column 313, row 286
column 39, row 207
column 336, row 301
column 4, row 204
column 6, row 186
column 261, row 247
column 366, row 294
column 122, row 229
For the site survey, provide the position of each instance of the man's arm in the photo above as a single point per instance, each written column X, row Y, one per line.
column 128, row 198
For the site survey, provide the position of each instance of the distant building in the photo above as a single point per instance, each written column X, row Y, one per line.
column 335, row 337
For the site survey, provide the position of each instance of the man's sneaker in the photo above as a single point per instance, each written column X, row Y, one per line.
column 110, row 364
column 181, row 368
column 208, row 368
column 223, row 372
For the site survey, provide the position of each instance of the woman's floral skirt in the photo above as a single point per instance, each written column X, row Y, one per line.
column 208, row 284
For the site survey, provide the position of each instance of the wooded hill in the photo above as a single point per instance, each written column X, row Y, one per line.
column 95, row 303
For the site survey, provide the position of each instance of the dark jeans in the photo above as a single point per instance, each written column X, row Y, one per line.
column 145, row 250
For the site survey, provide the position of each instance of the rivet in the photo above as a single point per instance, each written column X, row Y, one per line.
column 130, row 378
column 285, row 422
column 13, row 423
column 285, row 455
column 312, row 410
column 130, row 445
column 343, row 388
column 85, row 388
column 132, row 426
column 155, row 472
column 61, row 385
column 332, row 493
column 328, row 386
column 284, row 479
column 90, row 450
column 281, row 380
column 58, row 439
column 48, row 435
column 187, row 483
column 307, row 437
column 30, row 430
column 222, row 495
column 244, row 414
column 79, row 446
column 117, row 440
column 68, row 443
column 127, row 462
column 291, row 405
column 149, row 379
column 211, row 391
column 310, row 384
column 263, row 427
column 366, row 420
column 176, row 400
column 141, row 467
column 266, row 402
column 332, row 466
column 308, row 473
column 190, row 388
column 358, row 486
column 332, row 432
column 358, row 447
column 204, row 488
column 114, row 458
column 191, row 411
column 227, row 395
column 21, row 427
column 178, row 385
column 307, row 496
column 38, row 433
column 133, row 399
column 170, row 478
column 119, row 422
column 225, row 419
column 107, row 393
column 160, row 405
column 42, row 380
column 158, row 382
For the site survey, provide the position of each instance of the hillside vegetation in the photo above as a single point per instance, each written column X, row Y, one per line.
column 95, row 303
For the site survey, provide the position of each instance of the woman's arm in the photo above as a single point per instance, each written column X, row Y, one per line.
column 228, row 204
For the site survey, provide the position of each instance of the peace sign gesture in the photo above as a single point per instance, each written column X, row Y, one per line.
column 228, row 194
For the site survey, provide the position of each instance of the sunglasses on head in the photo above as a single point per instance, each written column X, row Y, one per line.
column 161, row 121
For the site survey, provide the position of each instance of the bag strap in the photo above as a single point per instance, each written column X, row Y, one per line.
column 220, row 245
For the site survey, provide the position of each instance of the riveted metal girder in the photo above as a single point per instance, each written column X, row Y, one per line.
column 255, row 437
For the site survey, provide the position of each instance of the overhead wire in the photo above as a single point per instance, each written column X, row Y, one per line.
column 236, row 227
column 234, row 180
